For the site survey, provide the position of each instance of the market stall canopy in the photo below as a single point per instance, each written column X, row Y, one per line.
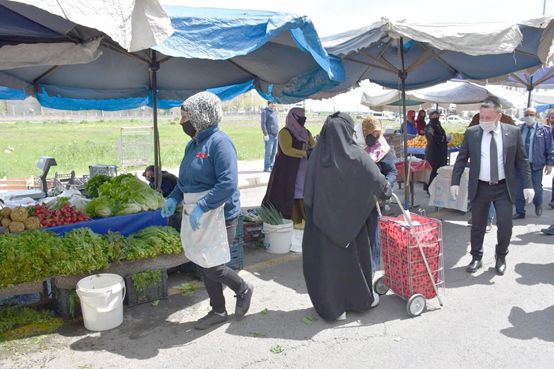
column 530, row 79
column 228, row 51
column 60, row 32
column 435, row 53
column 462, row 93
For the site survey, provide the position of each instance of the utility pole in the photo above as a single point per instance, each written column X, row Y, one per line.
column 544, row 8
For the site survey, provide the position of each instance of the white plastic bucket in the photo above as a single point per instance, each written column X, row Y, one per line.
column 278, row 237
column 101, row 298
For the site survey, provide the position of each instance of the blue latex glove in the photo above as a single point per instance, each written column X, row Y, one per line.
column 169, row 208
column 195, row 218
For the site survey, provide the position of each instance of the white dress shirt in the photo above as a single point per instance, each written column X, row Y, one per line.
column 485, row 171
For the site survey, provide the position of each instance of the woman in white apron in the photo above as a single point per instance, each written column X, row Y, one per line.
column 208, row 188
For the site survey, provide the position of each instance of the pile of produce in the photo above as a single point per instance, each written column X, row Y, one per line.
column 418, row 142
column 153, row 241
column 57, row 213
column 36, row 255
column 18, row 220
column 421, row 141
column 456, row 140
column 21, row 322
column 93, row 185
column 125, row 194
column 270, row 215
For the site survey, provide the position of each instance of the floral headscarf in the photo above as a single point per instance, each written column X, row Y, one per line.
column 204, row 110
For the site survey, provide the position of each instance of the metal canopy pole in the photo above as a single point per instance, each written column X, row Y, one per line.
column 154, row 67
column 402, row 74
column 529, row 88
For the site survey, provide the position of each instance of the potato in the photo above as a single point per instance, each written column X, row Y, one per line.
column 16, row 227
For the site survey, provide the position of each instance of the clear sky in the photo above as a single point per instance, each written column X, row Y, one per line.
column 332, row 16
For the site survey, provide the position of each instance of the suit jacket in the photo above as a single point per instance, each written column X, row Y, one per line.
column 515, row 160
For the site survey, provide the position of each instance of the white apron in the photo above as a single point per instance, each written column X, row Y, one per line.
column 208, row 246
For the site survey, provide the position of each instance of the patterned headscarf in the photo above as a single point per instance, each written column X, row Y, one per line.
column 381, row 147
column 204, row 110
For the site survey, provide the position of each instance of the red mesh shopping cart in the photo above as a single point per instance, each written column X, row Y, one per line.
column 411, row 251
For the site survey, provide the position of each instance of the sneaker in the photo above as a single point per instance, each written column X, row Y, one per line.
column 210, row 320
column 551, row 204
column 341, row 317
column 375, row 300
column 243, row 301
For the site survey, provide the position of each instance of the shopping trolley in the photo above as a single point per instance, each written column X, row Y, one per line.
column 412, row 256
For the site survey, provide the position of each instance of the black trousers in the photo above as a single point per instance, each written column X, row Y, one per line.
column 498, row 195
column 216, row 277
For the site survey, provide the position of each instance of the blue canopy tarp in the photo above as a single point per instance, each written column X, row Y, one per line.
column 229, row 51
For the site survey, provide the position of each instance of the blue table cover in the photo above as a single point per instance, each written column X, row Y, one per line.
column 124, row 224
column 421, row 150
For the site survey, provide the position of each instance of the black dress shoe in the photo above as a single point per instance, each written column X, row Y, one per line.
column 474, row 265
column 518, row 216
column 538, row 210
column 500, row 266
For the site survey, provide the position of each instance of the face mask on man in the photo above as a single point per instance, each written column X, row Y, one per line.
column 189, row 129
column 371, row 140
column 529, row 121
column 434, row 120
column 487, row 126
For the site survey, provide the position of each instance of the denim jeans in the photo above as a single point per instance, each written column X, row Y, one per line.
column 536, row 179
column 270, row 150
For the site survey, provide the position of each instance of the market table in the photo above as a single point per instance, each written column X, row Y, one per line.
column 421, row 151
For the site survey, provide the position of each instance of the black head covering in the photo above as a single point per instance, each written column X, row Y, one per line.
column 342, row 182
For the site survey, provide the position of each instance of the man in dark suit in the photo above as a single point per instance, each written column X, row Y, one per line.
column 497, row 155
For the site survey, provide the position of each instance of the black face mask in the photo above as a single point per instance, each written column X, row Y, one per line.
column 371, row 140
column 434, row 120
column 189, row 129
column 300, row 120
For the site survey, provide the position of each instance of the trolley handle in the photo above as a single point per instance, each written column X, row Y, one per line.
column 405, row 213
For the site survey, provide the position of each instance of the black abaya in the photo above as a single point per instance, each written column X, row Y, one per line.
column 341, row 188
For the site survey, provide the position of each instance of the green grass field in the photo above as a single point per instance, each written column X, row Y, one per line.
column 76, row 145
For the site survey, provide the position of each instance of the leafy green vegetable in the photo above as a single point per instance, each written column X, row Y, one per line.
column 93, row 184
column 187, row 288
column 36, row 255
column 99, row 207
column 14, row 320
column 125, row 194
column 309, row 320
column 271, row 215
column 146, row 279
column 153, row 241
column 277, row 349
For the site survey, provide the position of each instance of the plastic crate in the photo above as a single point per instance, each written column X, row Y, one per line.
column 237, row 255
column 109, row 170
column 66, row 303
column 151, row 293
column 253, row 232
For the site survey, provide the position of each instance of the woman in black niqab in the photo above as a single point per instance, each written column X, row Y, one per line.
column 341, row 189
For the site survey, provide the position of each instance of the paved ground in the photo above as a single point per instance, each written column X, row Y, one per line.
column 487, row 321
